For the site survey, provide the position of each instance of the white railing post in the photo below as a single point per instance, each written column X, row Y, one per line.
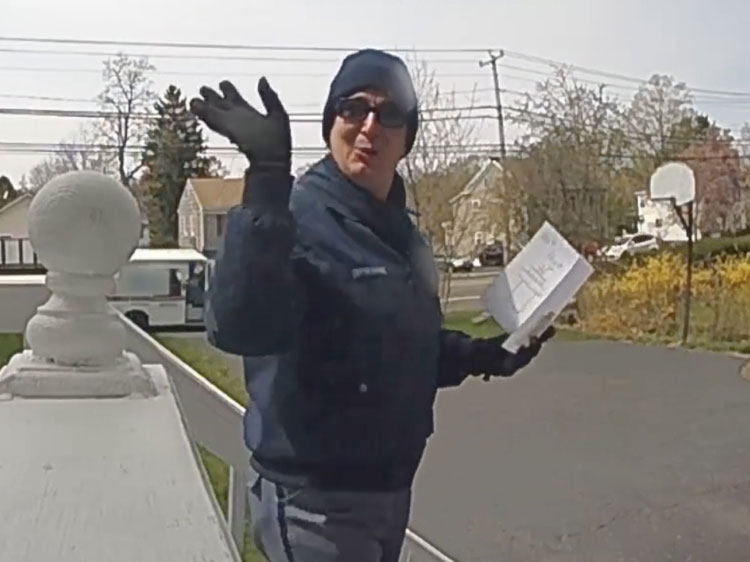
column 96, row 461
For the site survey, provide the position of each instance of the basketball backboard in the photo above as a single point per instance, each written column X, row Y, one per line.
column 675, row 181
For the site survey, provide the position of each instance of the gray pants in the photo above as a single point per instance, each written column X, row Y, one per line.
column 308, row 525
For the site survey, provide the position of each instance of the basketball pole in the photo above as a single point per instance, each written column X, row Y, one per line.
column 675, row 181
column 688, row 225
column 688, row 283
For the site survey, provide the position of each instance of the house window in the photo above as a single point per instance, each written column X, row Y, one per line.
column 658, row 223
column 572, row 202
column 220, row 225
column 479, row 238
column 476, row 203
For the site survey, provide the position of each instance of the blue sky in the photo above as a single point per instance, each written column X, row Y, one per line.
column 700, row 43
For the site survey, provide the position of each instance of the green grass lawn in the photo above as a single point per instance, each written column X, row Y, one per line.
column 464, row 321
column 10, row 344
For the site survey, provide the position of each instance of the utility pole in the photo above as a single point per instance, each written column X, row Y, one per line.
column 499, row 105
column 602, row 114
column 501, row 137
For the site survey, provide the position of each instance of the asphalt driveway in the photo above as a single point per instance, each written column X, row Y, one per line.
column 598, row 452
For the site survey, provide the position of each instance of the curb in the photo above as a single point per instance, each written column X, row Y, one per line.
column 475, row 275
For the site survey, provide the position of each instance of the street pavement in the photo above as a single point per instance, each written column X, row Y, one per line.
column 465, row 291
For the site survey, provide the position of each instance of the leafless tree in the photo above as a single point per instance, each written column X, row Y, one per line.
column 81, row 151
column 569, row 154
column 127, row 97
column 441, row 162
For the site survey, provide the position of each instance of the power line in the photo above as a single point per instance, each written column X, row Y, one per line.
column 458, row 150
column 341, row 49
column 46, row 98
column 26, row 96
column 184, row 56
column 66, row 148
column 196, row 74
column 523, row 116
column 225, row 46
column 705, row 98
column 614, row 75
column 300, row 117
column 708, row 98
column 428, row 115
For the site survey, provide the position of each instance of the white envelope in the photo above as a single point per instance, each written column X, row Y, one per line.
column 534, row 288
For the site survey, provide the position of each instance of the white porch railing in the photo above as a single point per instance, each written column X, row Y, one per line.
column 212, row 419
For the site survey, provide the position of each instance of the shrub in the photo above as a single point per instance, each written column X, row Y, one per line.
column 646, row 298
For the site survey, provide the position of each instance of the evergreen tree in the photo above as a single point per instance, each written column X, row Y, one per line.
column 174, row 151
column 7, row 191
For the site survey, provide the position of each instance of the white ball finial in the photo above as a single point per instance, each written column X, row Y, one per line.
column 84, row 222
column 84, row 226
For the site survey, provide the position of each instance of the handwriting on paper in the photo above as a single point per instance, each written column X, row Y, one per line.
column 536, row 285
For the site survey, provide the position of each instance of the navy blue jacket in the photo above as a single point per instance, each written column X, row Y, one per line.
column 331, row 296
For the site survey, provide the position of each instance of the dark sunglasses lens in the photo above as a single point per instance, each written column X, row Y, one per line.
column 391, row 115
column 353, row 108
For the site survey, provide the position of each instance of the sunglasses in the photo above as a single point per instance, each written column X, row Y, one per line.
column 387, row 113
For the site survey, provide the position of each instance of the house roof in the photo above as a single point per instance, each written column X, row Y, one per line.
column 476, row 178
column 216, row 194
column 24, row 197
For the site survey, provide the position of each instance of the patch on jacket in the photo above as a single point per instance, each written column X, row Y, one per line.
column 371, row 271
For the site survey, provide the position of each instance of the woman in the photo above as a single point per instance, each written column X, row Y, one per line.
column 329, row 292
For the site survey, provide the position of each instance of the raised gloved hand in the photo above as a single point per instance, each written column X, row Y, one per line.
column 489, row 358
column 266, row 140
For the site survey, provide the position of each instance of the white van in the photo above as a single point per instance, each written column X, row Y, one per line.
column 162, row 288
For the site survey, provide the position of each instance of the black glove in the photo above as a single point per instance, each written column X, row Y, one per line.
column 266, row 140
column 489, row 358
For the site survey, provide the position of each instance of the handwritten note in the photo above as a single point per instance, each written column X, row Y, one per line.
column 535, row 286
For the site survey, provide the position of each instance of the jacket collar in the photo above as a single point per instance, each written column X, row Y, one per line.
column 350, row 199
column 389, row 219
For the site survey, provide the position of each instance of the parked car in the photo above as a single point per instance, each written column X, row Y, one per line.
column 630, row 244
column 492, row 255
column 464, row 264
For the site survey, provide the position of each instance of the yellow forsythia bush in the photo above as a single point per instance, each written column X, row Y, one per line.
column 647, row 299
column 640, row 300
column 725, row 297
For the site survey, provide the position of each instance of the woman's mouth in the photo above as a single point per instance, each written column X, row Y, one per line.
column 366, row 151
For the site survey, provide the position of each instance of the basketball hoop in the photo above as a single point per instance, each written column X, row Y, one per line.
column 675, row 182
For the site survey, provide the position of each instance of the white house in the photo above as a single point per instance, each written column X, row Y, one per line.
column 15, row 247
column 203, row 209
column 13, row 217
column 659, row 219
column 484, row 213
